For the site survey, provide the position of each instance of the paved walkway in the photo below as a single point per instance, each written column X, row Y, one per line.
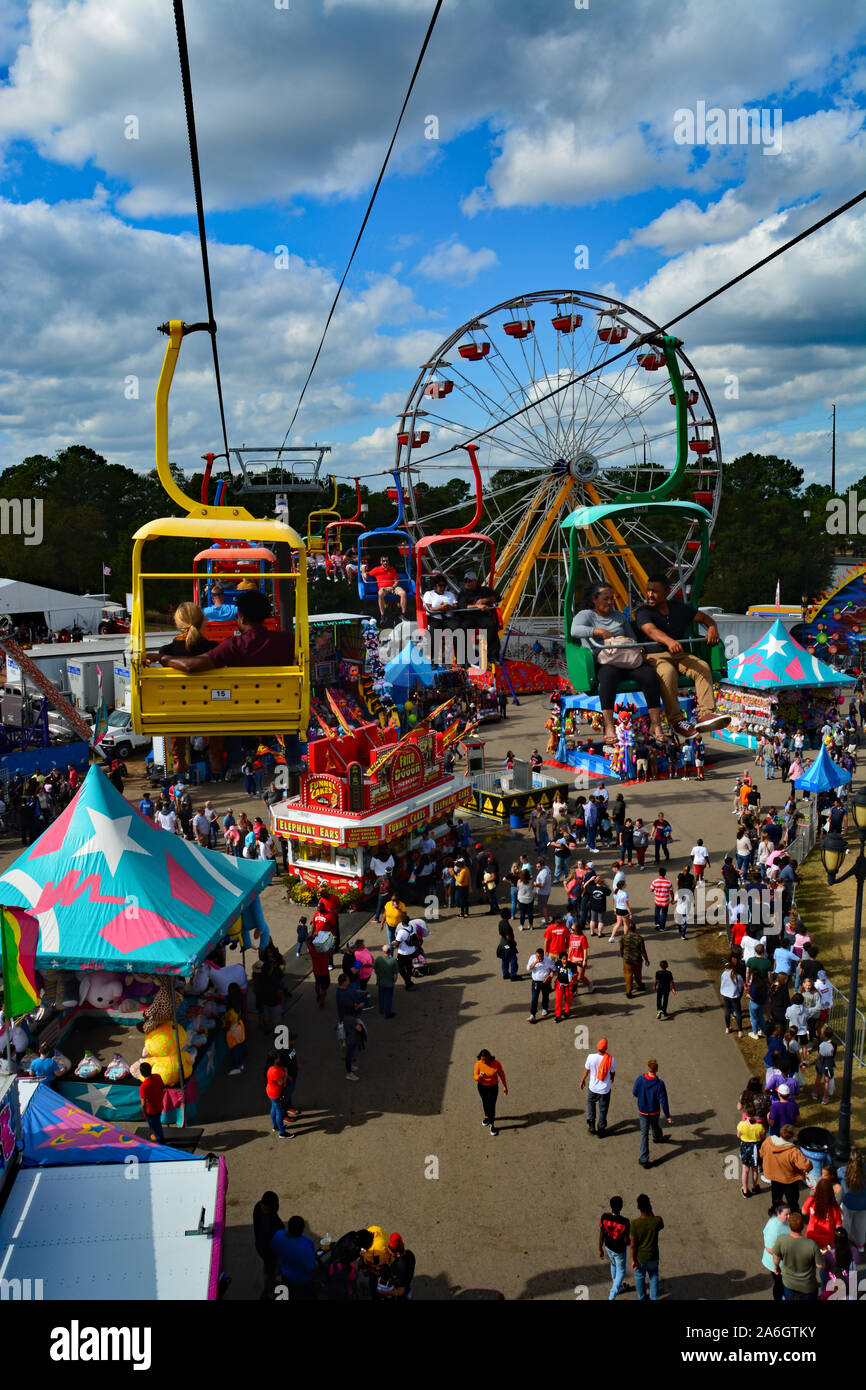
column 513, row 1217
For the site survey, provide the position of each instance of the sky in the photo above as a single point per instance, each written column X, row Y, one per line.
column 536, row 127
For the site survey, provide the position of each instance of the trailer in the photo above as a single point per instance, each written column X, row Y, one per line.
column 84, row 683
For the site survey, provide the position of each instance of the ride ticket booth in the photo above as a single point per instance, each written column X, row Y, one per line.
column 364, row 789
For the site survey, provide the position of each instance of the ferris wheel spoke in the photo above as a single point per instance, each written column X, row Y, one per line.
column 555, row 401
column 523, row 435
column 519, row 399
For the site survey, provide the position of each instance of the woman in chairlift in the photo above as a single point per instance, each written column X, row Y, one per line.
column 607, row 633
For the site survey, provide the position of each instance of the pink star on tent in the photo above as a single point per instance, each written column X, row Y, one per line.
column 139, row 926
column 185, row 889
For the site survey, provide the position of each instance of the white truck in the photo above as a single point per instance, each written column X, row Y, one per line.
column 120, row 739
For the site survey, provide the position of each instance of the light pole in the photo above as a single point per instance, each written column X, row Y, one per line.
column 806, row 516
column 833, row 851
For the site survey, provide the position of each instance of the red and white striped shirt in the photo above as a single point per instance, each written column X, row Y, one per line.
column 662, row 890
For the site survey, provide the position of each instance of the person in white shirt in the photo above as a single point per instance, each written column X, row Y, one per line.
column 266, row 848
column 428, row 844
column 212, row 821
column 700, row 858
column 201, row 827
column 622, row 909
column 602, row 791
column 600, row 1068
column 168, row 820
column 540, row 969
column 406, row 941
column 543, row 883
column 439, row 600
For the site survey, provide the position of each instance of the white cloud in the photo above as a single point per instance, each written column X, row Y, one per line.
column 95, row 291
column 582, row 103
column 453, row 261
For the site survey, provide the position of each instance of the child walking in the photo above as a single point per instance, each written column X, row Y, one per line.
column 664, row 983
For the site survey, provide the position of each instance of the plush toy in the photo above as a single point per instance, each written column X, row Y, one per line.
column 160, row 1049
column 63, row 1063
column 88, row 1067
column 117, row 1070
column 160, row 1010
column 21, row 1034
column 58, row 988
column 223, row 976
column 100, row 989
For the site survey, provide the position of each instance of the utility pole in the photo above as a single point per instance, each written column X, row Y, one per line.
column 833, row 456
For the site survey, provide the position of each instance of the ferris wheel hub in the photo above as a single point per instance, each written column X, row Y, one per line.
column 584, row 468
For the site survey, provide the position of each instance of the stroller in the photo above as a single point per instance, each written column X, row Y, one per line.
column 420, row 965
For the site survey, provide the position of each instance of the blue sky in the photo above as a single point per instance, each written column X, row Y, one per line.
column 555, row 130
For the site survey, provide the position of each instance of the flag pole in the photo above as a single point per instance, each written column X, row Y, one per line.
column 7, row 995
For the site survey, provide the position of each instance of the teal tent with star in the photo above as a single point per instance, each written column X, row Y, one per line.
column 110, row 890
column 777, row 662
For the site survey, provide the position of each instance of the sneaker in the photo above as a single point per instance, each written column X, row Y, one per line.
column 659, row 1014
column 531, row 1018
column 294, row 1114
column 684, row 730
column 493, row 1132
column 756, row 1036
column 485, row 1121
column 714, row 721
column 544, row 1013
column 352, row 1076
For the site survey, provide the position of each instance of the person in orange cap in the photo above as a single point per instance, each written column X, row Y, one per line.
column 600, row 1069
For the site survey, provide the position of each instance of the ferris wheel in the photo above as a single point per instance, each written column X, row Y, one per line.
column 620, row 429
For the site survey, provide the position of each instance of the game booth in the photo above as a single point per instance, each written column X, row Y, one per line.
column 776, row 681
column 65, row 1189
column 124, row 921
column 586, row 751
column 363, row 789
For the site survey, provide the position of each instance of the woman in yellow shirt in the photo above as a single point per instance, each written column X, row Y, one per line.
column 461, row 887
column 751, row 1133
column 487, row 1074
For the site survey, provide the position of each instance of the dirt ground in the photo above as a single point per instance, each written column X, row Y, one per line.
column 512, row 1217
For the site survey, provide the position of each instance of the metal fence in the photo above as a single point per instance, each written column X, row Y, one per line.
column 838, row 1022
column 838, row 1019
column 807, row 838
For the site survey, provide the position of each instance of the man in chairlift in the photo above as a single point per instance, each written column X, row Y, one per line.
column 254, row 645
column 476, row 607
column 387, row 582
column 218, row 611
column 665, row 622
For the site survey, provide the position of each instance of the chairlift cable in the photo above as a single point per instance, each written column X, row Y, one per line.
column 183, row 53
column 331, row 312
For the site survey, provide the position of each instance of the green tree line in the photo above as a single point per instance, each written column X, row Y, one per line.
column 92, row 508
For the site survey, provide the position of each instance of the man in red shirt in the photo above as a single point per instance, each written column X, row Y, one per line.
column 326, row 919
column 254, row 645
column 321, row 963
column 151, row 1092
column 578, row 950
column 387, row 582
column 556, row 939
column 662, row 891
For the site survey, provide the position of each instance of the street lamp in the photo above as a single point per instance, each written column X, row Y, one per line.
column 833, row 851
column 806, row 516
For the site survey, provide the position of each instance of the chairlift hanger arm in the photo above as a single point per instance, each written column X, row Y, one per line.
column 176, row 331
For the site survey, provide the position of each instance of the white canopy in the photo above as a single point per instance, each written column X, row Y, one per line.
column 60, row 608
